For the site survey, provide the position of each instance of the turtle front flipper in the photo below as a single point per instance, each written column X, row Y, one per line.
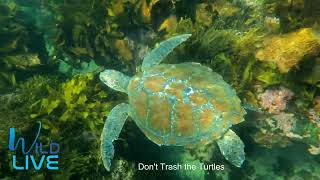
column 111, row 130
column 115, row 80
column 160, row 52
column 232, row 148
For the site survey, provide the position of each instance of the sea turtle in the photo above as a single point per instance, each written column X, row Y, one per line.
column 175, row 104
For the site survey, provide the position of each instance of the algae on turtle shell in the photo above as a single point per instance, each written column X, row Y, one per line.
column 117, row 34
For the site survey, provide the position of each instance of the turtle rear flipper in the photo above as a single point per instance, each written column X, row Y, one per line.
column 232, row 148
column 111, row 130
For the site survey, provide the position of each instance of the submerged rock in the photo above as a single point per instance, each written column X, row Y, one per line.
column 288, row 50
column 275, row 100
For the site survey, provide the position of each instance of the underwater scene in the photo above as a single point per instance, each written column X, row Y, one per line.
column 160, row 89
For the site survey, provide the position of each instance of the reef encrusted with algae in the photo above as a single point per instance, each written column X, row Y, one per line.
column 289, row 49
column 118, row 33
column 275, row 100
column 282, row 124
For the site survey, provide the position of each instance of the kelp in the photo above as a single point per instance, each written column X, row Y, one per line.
column 12, row 34
column 75, row 109
column 7, row 78
column 89, row 31
column 72, row 103
column 15, row 106
column 86, row 29
column 70, row 112
column 293, row 14
column 85, row 68
column 227, row 52
column 21, row 46
column 21, row 61
column 77, row 39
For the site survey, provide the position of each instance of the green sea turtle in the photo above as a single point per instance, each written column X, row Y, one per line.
column 175, row 104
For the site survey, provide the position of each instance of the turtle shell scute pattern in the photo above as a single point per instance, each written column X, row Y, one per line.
column 183, row 104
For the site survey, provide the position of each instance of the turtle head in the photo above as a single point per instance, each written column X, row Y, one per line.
column 115, row 80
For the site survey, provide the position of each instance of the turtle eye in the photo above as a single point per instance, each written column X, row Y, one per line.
column 188, row 90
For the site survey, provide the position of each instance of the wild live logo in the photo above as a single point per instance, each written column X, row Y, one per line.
column 49, row 157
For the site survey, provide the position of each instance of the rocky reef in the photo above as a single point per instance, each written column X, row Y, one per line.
column 52, row 51
column 288, row 50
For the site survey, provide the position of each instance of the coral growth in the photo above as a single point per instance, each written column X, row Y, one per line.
column 282, row 125
column 314, row 117
column 275, row 100
column 277, row 130
column 287, row 124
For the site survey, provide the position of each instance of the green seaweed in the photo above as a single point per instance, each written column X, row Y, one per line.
column 68, row 110
column 7, row 78
column 85, row 68
column 226, row 35
column 267, row 74
column 293, row 14
column 15, row 106
column 72, row 103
